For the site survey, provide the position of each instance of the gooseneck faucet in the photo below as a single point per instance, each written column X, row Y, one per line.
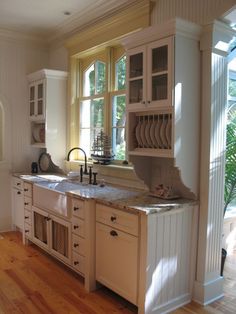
column 85, row 158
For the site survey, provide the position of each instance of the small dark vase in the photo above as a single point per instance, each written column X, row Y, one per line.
column 223, row 258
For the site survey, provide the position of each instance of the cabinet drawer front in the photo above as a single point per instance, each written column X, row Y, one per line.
column 27, row 216
column 78, row 244
column 117, row 261
column 117, row 218
column 78, row 208
column 78, row 227
column 28, row 230
column 27, row 202
column 17, row 183
column 78, row 262
column 27, row 189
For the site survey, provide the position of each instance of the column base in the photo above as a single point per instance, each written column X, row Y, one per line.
column 205, row 293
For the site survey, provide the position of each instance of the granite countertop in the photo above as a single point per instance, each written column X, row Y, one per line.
column 127, row 199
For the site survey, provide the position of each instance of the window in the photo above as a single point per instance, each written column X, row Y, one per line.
column 101, row 99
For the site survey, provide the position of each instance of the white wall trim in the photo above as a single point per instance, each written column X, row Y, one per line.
column 208, row 292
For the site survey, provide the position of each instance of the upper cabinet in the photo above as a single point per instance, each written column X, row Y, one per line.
column 47, row 111
column 163, row 96
column 149, row 73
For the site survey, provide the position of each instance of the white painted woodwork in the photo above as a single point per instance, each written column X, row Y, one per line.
column 78, row 244
column 17, row 203
column 208, row 284
column 166, row 264
column 54, row 101
column 78, row 226
column 183, row 100
column 27, row 231
column 28, row 216
column 201, row 12
column 78, row 262
column 78, row 208
column 117, row 261
column 27, row 203
column 118, row 219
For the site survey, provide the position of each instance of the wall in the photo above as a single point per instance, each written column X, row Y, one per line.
column 18, row 57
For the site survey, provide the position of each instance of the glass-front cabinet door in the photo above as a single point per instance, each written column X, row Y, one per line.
column 159, row 73
column 60, row 240
column 136, row 73
column 37, row 100
column 41, row 226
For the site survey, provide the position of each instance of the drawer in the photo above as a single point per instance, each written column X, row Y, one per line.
column 116, row 218
column 27, row 189
column 27, row 230
column 78, row 208
column 27, row 202
column 78, row 227
column 78, row 262
column 27, row 216
column 78, row 244
column 17, row 183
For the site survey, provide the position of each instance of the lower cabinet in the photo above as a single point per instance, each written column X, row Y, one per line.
column 17, row 203
column 52, row 233
column 117, row 252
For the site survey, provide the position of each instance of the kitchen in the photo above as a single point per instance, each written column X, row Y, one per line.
column 23, row 57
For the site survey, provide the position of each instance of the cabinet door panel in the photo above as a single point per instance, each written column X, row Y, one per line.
column 117, row 261
column 18, row 208
column 78, row 227
column 40, row 227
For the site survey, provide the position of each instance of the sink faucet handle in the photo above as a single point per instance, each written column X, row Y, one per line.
column 94, row 178
column 90, row 174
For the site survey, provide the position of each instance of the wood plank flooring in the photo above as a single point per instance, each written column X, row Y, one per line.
column 33, row 282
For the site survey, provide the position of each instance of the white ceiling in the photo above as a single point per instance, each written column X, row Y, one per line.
column 46, row 18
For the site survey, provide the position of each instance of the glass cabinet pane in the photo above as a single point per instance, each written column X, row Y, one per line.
column 159, row 87
column 60, row 238
column 32, row 92
column 160, row 59
column 136, row 65
column 136, row 91
column 40, row 107
column 31, row 108
column 40, row 228
column 40, row 90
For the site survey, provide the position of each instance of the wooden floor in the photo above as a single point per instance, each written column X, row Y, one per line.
column 33, row 282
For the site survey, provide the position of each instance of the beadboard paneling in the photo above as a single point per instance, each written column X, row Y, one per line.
column 201, row 11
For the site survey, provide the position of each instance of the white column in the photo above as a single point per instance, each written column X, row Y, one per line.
column 208, row 284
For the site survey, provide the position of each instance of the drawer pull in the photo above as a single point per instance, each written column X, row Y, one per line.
column 26, row 203
column 76, row 244
column 26, row 217
column 76, row 263
column 113, row 218
column 47, row 218
column 26, row 231
column 18, row 192
column 113, row 233
column 18, row 184
column 26, row 190
column 76, row 208
column 76, row 227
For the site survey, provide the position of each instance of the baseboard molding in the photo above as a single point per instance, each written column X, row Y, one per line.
column 171, row 305
column 206, row 293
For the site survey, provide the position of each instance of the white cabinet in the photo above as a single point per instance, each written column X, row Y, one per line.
column 52, row 233
column 149, row 74
column 27, row 233
column 117, row 251
column 47, row 111
column 17, row 203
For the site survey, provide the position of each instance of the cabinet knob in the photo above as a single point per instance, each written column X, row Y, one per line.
column 113, row 233
column 26, row 203
column 18, row 183
column 142, row 102
column 26, row 190
column 76, row 244
column 26, row 217
column 76, row 227
column 47, row 218
column 76, row 263
column 113, row 218
column 76, row 208
column 18, row 192
column 149, row 102
column 26, row 231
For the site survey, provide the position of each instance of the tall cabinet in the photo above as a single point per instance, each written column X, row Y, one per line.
column 163, row 96
column 47, row 112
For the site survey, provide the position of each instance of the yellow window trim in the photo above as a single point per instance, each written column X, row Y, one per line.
column 111, row 28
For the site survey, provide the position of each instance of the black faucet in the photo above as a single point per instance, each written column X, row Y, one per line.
column 85, row 158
